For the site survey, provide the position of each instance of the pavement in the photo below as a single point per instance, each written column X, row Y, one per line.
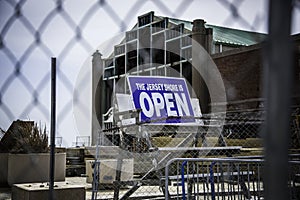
column 144, row 192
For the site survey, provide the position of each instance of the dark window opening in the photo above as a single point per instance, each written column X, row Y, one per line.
column 144, row 56
column 131, row 55
column 173, row 51
column 131, row 60
column 158, row 56
column 158, row 51
column 145, row 19
column 109, row 72
column 120, row 65
column 187, row 71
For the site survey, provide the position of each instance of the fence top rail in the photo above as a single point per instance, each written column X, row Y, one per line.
column 199, row 148
column 214, row 160
column 294, row 162
column 228, row 160
column 206, row 175
column 194, row 125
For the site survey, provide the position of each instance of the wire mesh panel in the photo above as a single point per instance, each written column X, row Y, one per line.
column 134, row 156
column 66, row 30
column 140, row 152
column 83, row 141
column 58, row 141
column 217, row 178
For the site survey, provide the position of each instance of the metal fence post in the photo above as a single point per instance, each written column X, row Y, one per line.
column 52, row 137
column 278, row 84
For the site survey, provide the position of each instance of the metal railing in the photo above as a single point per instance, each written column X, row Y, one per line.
column 221, row 178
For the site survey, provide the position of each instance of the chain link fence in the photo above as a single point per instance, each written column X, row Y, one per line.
column 57, row 28
column 131, row 164
column 145, row 154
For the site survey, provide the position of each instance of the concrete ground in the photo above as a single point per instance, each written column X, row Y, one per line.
column 144, row 192
column 5, row 192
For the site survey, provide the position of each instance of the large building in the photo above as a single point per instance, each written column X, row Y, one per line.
column 162, row 46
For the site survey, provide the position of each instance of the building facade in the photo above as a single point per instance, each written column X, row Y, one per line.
column 162, row 46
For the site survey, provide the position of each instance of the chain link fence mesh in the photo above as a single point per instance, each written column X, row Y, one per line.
column 30, row 30
column 33, row 32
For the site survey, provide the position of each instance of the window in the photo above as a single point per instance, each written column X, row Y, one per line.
column 120, row 65
column 145, row 19
column 175, row 32
column 119, row 50
column 186, row 41
column 173, row 51
column 160, row 25
column 131, row 35
column 158, row 48
column 131, row 55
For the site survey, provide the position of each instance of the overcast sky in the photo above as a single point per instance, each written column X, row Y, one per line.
column 97, row 23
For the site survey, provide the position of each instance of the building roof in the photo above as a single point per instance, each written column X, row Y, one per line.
column 221, row 35
column 224, row 35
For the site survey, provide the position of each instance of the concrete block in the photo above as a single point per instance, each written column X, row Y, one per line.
column 38, row 191
column 28, row 168
column 108, row 170
column 3, row 168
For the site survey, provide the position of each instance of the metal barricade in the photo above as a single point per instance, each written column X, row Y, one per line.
column 294, row 177
column 220, row 178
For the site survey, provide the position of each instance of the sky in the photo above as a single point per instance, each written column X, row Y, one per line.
column 71, row 33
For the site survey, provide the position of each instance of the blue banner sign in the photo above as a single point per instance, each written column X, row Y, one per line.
column 161, row 99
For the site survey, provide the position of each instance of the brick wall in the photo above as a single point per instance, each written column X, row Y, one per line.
column 242, row 72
